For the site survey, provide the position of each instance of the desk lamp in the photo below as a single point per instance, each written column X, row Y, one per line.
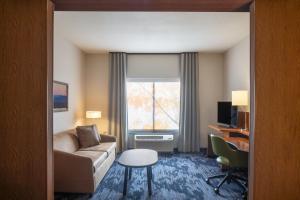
column 240, row 98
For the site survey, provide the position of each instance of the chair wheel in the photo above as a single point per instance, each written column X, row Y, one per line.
column 216, row 190
column 207, row 180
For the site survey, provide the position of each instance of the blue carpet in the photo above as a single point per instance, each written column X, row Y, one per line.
column 175, row 176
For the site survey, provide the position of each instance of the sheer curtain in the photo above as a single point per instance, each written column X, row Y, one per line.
column 189, row 129
column 117, row 99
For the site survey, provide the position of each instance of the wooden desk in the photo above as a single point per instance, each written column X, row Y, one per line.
column 226, row 130
column 241, row 143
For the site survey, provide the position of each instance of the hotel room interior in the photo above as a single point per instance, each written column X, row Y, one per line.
column 160, row 81
column 154, row 105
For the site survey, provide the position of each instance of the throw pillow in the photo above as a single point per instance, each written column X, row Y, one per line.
column 88, row 136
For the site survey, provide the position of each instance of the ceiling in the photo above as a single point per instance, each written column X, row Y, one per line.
column 152, row 32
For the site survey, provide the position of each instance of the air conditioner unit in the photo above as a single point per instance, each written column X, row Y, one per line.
column 160, row 143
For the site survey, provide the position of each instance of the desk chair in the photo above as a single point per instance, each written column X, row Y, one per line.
column 234, row 159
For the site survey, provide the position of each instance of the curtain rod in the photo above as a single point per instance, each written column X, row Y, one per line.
column 154, row 53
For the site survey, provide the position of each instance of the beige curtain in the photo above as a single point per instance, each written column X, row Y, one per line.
column 117, row 99
column 189, row 130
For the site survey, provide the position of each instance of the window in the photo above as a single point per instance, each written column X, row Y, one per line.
column 153, row 106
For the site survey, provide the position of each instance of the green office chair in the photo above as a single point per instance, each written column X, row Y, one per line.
column 234, row 159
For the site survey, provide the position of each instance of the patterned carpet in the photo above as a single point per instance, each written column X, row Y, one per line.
column 175, row 177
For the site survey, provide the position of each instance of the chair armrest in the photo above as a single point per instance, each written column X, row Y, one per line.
column 107, row 138
column 68, row 165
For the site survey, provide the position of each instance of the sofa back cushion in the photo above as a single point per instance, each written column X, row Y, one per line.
column 66, row 141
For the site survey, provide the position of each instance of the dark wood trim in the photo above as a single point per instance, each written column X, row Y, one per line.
column 275, row 153
column 25, row 85
column 50, row 168
column 252, row 101
column 154, row 5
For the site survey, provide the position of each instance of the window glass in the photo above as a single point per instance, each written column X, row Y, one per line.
column 140, row 105
column 153, row 105
column 167, row 103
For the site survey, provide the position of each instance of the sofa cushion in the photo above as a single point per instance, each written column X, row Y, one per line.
column 108, row 147
column 66, row 141
column 88, row 136
column 96, row 156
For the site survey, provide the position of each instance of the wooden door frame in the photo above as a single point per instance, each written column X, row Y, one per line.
column 154, row 5
column 166, row 6
column 49, row 143
column 252, row 102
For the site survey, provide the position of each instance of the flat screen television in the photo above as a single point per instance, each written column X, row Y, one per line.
column 224, row 112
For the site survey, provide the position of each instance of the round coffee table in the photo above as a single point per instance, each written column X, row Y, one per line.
column 137, row 158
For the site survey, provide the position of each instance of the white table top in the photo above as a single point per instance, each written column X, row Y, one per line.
column 138, row 158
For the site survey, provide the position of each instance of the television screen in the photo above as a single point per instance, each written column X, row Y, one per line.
column 224, row 112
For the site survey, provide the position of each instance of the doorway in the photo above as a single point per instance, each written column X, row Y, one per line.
column 60, row 6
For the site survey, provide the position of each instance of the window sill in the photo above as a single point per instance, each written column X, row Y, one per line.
column 142, row 132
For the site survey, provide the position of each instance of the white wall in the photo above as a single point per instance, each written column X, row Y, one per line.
column 211, row 91
column 69, row 68
column 96, row 88
column 237, row 68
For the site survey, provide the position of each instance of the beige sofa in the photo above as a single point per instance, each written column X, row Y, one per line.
column 78, row 170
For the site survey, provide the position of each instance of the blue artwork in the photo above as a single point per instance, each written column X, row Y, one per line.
column 60, row 96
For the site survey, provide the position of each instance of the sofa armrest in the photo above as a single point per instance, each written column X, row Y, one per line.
column 107, row 138
column 70, row 166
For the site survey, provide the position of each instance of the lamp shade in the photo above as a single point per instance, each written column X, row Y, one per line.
column 240, row 98
column 93, row 114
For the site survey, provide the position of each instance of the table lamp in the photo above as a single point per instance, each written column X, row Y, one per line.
column 240, row 98
column 93, row 114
